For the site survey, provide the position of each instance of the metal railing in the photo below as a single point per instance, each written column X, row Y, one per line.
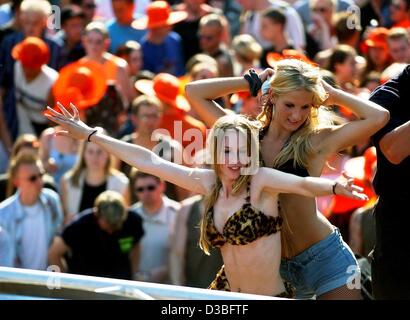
column 24, row 283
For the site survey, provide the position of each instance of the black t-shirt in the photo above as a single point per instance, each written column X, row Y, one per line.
column 188, row 31
column 90, row 193
column 393, row 180
column 94, row 252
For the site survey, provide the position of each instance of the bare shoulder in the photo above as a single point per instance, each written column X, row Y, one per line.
column 205, row 177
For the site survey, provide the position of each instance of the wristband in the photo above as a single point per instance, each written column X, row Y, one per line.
column 254, row 82
column 89, row 136
column 334, row 188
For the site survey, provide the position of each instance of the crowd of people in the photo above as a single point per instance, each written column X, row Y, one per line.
column 257, row 146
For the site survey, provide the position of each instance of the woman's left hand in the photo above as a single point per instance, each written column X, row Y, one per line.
column 71, row 123
column 331, row 100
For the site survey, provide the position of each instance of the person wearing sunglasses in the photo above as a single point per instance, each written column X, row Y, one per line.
column 158, row 214
column 25, row 144
column 32, row 216
column 212, row 35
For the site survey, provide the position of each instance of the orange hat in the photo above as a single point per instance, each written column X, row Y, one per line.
column 342, row 205
column 165, row 87
column 377, row 38
column 32, row 52
column 370, row 162
column 239, row 96
column 82, row 83
column 273, row 57
column 361, row 169
column 159, row 14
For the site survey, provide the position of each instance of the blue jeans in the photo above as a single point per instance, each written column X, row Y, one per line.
column 325, row 266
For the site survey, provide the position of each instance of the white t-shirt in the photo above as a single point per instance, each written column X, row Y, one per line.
column 294, row 26
column 31, row 97
column 34, row 247
column 104, row 8
column 155, row 244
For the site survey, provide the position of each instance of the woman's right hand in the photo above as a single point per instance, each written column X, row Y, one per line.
column 71, row 123
column 265, row 74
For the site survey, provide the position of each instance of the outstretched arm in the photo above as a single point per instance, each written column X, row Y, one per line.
column 197, row 180
column 276, row 181
column 372, row 118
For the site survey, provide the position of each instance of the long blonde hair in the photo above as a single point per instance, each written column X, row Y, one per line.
column 291, row 75
column 214, row 149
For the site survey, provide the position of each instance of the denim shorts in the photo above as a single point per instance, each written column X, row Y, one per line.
column 325, row 266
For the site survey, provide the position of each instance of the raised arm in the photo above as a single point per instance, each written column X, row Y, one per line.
column 197, row 180
column 372, row 117
column 201, row 94
column 276, row 181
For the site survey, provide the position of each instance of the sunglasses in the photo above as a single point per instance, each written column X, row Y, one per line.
column 207, row 38
column 33, row 178
column 90, row 6
column 321, row 9
column 150, row 188
column 396, row 6
column 149, row 116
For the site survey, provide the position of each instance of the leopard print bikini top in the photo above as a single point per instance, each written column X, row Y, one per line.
column 243, row 227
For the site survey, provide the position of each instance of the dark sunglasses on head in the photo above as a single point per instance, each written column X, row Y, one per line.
column 35, row 177
column 150, row 187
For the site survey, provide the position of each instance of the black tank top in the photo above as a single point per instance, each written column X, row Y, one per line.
column 288, row 166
